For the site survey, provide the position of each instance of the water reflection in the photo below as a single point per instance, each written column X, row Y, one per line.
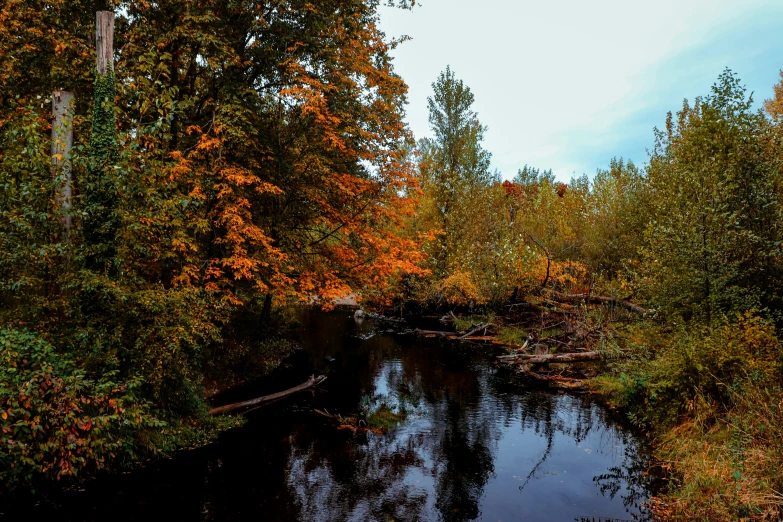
column 477, row 447
column 480, row 449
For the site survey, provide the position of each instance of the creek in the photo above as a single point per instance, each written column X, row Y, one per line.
column 474, row 445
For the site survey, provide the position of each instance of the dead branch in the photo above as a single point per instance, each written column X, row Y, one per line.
column 548, row 258
column 312, row 381
column 557, row 381
column 476, row 329
column 593, row 299
column 434, row 332
column 550, row 358
column 328, row 415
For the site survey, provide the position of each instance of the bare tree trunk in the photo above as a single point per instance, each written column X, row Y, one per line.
column 62, row 142
column 266, row 311
column 104, row 41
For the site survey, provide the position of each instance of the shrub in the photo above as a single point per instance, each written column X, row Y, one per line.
column 56, row 421
column 667, row 372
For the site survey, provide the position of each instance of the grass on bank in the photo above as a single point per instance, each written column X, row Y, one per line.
column 712, row 400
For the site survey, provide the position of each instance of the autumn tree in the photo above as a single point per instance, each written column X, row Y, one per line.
column 241, row 156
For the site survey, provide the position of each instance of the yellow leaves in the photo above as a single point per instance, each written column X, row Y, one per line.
column 208, row 142
column 774, row 105
column 459, row 289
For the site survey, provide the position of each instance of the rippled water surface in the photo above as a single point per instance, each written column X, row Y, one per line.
column 476, row 448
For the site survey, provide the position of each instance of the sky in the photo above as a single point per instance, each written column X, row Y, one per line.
column 570, row 84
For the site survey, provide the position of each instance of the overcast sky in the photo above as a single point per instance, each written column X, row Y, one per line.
column 568, row 84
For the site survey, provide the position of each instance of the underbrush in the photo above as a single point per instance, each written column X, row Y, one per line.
column 59, row 422
column 712, row 400
column 726, row 463
column 512, row 335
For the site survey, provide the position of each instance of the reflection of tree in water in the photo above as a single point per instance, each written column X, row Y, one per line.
column 365, row 482
column 631, row 478
column 464, row 454
column 446, row 465
column 375, row 476
column 549, row 414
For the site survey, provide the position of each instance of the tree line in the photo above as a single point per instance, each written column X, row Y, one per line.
column 684, row 256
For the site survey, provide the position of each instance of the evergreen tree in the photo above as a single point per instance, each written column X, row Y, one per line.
column 454, row 164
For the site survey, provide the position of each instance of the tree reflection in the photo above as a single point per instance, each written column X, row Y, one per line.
column 442, row 463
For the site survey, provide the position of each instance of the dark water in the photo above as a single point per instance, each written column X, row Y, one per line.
column 477, row 448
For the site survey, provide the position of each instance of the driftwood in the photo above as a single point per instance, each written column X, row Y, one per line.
column 593, row 299
column 312, row 381
column 477, row 329
column 336, row 418
column 435, row 332
column 550, row 358
column 557, row 381
column 452, row 336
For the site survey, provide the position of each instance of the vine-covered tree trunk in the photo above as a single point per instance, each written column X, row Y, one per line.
column 101, row 222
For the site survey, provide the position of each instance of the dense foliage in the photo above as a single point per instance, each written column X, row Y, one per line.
column 695, row 237
column 244, row 156
column 239, row 157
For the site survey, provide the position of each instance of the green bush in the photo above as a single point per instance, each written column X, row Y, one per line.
column 58, row 422
column 667, row 372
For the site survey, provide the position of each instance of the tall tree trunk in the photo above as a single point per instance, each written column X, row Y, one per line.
column 62, row 142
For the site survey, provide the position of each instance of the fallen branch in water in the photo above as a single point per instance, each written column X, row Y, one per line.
column 337, row 418
column 312, row 381
column 435, row 332
column 557, row 381
column 550, row 358
column 453, row 336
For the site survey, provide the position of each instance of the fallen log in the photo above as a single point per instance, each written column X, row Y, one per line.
column 557, row 381
column 452, row 336
column 550, row 358
column 594, row 299
column 312, row 381
column 435, row 332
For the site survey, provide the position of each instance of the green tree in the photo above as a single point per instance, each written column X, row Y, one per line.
column 454, row 168
column 240, row 153
column 713, row 242
column 617, row 211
